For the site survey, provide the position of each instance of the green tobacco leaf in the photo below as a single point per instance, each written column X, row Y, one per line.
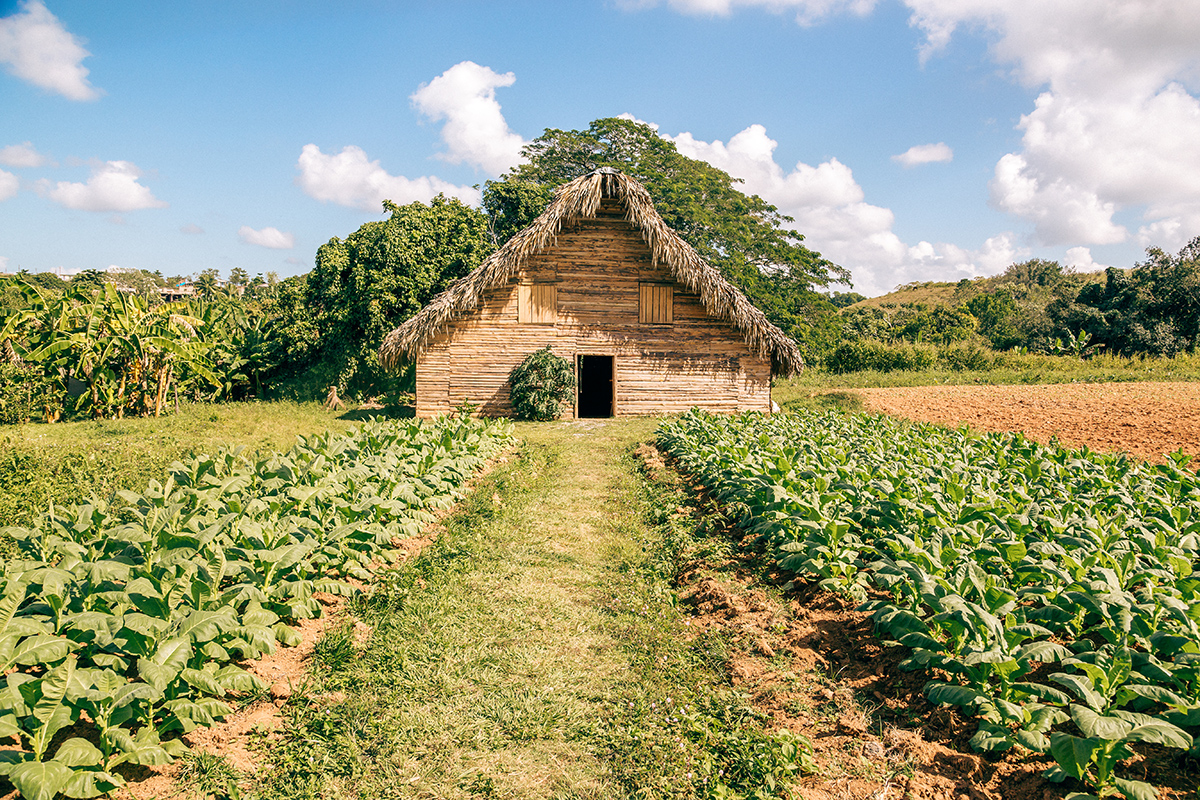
column 156, row 675
column 1082, row 688
column 1097, row 726
column 203, row 681
column 1136, row 790
column 257, row 616
column 1163, row 733
column 1045, row 652
column 285, row 634
column 991, row 738
column 174, row 654
column 9, row 725
column 236, row 679
column 86, row 783
column 39, row 780
column 42, row 649
column 1072, row 753
column 950, row 694
column 1032, row 740
column 78, row 753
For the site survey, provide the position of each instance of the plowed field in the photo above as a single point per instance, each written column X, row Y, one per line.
column 1143, row 419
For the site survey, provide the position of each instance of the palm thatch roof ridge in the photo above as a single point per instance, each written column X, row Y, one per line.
column 580, row 199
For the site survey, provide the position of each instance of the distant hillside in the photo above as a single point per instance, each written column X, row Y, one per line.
column 929, row 293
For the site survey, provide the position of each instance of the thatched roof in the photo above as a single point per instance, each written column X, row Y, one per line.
column 580, row 199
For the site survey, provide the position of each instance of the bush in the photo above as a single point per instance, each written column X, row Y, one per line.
column 856, row 355
column 27, row 394
column 540, row 385
column 967, row 357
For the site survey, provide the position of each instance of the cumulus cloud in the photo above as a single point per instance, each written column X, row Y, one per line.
column 925, row 154
column 272, row 238
column 475, row 131
column 651, row 125
column 1080, row 259
column 1116, row 126
column 112, row 186
column 349, row 178
column 23, row 155
column 36, row 48
column 191, row 229
column 9, row 184
column 830, row 209
column 807, row 11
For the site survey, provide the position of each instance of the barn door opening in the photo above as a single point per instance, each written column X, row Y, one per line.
column 595, row 386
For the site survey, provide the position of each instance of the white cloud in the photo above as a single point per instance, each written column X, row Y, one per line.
column 37, row 48
column 191, row 229
column 9, row 184
column 112, row 186
column 350, row 179
column 1080, row 259
column 651, row 125
column 22, row 155
column 829, row 208
column 475, row 131
column 807, row 11
column 272, row 238
column 1116, row 126
column 925, row 154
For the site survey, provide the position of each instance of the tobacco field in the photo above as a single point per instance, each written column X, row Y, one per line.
column 1050, row 594
column 121, row 625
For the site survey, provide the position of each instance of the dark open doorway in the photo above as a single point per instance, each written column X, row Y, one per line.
column 595, row 386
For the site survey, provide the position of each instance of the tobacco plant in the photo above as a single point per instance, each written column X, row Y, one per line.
column 125, row 623
column 988, row 557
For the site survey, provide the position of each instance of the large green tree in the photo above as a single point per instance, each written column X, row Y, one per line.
column 365, row 285
column 744, row 236
column 1153, row 308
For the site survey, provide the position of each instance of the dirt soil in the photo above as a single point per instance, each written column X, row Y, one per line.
column 1143, row 419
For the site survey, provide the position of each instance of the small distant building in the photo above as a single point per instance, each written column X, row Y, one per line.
column 182, row 292
column 599, row 277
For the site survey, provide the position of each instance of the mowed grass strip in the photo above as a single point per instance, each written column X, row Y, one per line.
column 533, row 650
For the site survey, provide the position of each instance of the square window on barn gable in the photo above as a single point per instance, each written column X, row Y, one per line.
column 656, row 303
column 537, row 303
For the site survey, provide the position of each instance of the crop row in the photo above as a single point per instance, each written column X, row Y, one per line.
column 122, row 626
column 1052, row 593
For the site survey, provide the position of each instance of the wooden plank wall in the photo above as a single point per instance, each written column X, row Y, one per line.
column 597, row 268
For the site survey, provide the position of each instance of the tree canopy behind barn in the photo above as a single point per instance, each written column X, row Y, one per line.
column 742, row 235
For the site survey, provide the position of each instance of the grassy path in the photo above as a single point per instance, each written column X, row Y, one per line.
column 496, row 660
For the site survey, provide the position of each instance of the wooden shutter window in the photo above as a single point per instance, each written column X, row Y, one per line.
column 656, row 303
column 537, row 303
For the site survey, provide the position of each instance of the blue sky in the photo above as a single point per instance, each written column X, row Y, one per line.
column 914, row 140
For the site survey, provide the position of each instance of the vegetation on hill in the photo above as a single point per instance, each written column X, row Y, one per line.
column 1034, row 306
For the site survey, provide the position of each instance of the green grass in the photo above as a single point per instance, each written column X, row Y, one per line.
column 72, row 461
column 1011, row 369
column 534, row 650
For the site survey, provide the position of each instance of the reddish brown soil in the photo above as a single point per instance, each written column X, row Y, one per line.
column 1143, row 419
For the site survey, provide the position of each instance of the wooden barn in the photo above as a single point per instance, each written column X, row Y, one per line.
column 599, row 277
